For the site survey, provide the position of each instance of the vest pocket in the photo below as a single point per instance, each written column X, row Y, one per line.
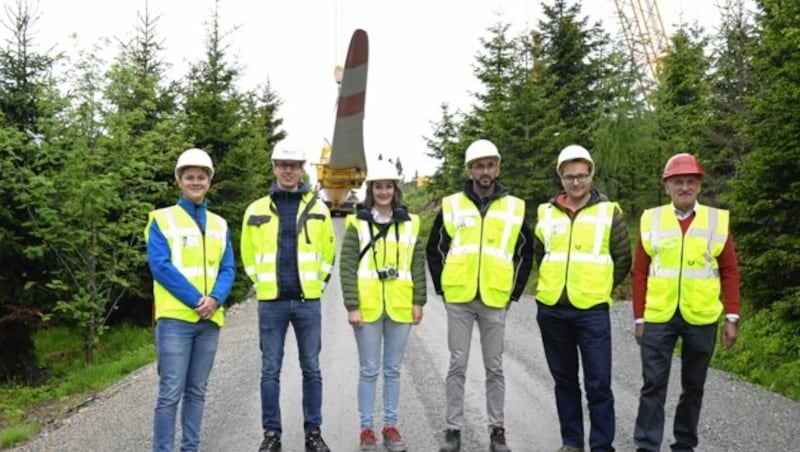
column 454, row 272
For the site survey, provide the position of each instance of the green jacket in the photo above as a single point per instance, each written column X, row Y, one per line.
column 349, row 261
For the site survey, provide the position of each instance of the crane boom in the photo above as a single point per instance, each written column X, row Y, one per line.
column 644, row 33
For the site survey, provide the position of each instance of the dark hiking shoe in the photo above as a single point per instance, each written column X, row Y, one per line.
column 497, row 440
column 315, row 443
column 452, row 441
column 271, row 443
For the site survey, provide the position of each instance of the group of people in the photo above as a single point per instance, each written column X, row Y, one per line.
column 480, row 254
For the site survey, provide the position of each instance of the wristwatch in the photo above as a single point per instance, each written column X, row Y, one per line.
column 733, row 320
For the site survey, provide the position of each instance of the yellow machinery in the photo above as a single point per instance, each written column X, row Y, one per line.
column 338, row 185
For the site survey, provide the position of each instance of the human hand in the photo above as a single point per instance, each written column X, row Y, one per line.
column 207, row 307
column 354, row 318
column 730, row 331
column 416, row 314
column 638, row 331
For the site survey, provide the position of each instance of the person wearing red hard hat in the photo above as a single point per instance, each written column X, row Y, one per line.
column 685, row 275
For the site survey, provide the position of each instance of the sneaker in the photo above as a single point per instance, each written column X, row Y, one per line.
column 452, row 441
column 368, row 441
column 271, row 443
column 392, row 440
column 497, row 440
column 315, row 443
column 570, row 449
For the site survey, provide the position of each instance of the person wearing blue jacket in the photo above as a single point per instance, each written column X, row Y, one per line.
column 191, row 259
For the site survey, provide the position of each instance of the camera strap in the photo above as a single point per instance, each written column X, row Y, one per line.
column 382, row 230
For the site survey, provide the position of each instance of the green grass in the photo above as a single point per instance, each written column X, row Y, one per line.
column 25, row 410
column 17, row 433
column 767, row 353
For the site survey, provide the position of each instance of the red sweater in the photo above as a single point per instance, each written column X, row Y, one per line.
column 728, row 274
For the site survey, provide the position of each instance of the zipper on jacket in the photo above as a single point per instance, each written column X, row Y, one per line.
column 203, row 239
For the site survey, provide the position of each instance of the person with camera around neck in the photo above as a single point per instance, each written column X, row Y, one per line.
column 479, row 253
column 382, row 275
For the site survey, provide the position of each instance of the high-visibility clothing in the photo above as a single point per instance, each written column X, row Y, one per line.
column 577, row 254
column 684, row 272
column 196, row 255
column 316, row 246
column 480, row 261
column 393, row 252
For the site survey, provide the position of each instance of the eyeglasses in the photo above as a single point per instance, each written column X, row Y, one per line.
column 484, row 166
column 288, row 165
column 572, row 178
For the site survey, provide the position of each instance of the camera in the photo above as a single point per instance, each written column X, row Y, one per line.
column 387, row 273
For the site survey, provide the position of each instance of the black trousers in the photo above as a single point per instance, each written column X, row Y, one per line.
column 658, row 346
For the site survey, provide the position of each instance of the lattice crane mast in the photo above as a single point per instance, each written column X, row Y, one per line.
column 644, row 33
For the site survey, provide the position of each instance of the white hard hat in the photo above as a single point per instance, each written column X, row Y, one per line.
column 480, row 149
column 382, row 170
column 286, row 150
column 574, row 152
column 194, row 157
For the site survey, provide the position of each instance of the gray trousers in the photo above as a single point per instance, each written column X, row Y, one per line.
column 492, row 327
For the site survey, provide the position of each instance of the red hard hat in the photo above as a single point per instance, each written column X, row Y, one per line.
column 682, row 165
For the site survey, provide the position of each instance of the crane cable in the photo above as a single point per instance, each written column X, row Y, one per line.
column 337, row 32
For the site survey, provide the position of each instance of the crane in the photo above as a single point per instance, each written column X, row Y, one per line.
column 644, row 33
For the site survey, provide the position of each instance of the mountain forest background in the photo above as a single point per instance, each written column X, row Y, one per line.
column 88, row 146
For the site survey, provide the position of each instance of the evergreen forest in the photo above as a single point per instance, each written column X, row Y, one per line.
column 87, row 152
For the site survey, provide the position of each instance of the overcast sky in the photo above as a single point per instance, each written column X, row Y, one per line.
column 421, row 52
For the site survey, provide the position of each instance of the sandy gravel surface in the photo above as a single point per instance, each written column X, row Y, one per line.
column 736, row 416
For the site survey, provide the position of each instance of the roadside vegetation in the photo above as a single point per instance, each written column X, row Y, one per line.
column 87, row 149
column 70, row 382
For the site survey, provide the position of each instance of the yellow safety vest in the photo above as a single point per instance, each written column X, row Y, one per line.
column 480, row 261
column 195, row 255
column 684, row 271
column 394, row 250
column 316, row 246
column 577, row 255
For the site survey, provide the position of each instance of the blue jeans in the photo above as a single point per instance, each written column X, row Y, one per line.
column 274, row 318
column 392, row 337
column 566, row 330
column 658, row 346
column 185, row 357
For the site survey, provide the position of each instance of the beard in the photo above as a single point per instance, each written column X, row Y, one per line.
column 485, row 182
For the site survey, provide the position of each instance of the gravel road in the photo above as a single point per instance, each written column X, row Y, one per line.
column 736, row 416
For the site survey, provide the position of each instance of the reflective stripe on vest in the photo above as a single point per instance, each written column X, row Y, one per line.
column 577, row 255
column 480, row 261
column 311, row 267
column 195, row 255
column 394, row 249
column 684, row 271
